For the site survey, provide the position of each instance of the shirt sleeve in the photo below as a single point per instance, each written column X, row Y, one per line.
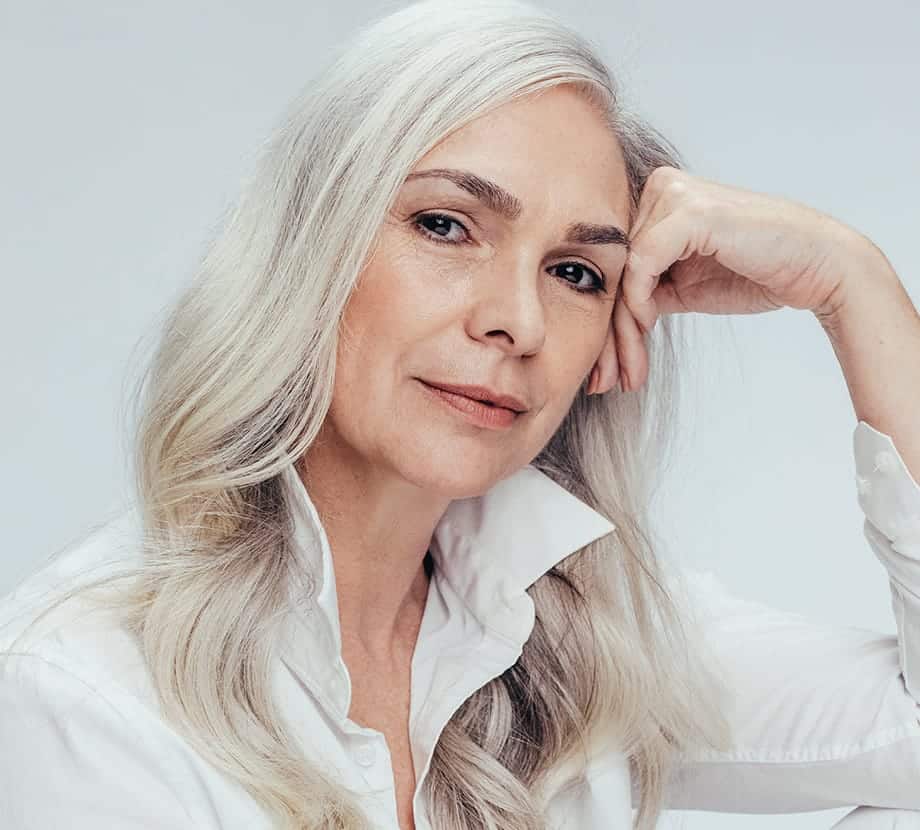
column 70, row 758
column 822, row 716
column 879, row 818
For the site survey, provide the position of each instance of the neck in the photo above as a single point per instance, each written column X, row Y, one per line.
column 381, row 562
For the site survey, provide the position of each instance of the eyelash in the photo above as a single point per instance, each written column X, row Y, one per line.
column 599, row 286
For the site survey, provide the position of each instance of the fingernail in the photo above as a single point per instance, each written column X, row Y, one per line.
column 624, row 380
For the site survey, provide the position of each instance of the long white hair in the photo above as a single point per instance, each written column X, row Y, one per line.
column 241, row 381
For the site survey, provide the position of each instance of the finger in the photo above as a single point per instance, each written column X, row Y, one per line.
column 663, row 191
column 717, row 295
column 672, row 291
column 631, row 351
column 607, row 363
column 654, row 250
column 668, row 300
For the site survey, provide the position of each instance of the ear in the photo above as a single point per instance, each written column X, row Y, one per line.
column 607, row 363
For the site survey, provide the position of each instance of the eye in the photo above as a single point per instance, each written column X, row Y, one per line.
column 597, row 284
column 438, row 222
column 431, row 225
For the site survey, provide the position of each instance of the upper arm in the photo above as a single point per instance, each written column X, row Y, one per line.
column 822, row 716
column 70, row 758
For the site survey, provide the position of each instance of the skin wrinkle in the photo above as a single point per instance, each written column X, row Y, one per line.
column 499, row 200
column 495, row 311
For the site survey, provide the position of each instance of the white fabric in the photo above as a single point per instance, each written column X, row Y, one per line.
column 823, row 716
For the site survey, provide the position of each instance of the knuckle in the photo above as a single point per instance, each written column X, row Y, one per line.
column 676, row 190
column 664, row 176
column 697, row 204
column 666, row 172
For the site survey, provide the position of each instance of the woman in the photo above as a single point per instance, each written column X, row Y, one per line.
column 353, row 597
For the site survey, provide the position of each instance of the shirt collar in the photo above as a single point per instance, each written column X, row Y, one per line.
column 489, row 548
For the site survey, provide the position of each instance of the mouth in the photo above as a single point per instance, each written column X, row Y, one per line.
column 482, row 413
column 482, row 395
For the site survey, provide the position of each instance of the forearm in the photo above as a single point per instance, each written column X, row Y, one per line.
column 874, row 330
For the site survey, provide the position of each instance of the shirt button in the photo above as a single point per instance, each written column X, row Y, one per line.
column 365, row 754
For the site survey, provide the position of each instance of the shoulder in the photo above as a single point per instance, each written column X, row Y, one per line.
column 78, row 705
column 80, row 640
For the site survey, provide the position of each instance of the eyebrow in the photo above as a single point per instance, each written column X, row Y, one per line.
column 506, row 204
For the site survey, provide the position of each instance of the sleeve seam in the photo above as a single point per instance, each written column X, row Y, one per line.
column 826, row 754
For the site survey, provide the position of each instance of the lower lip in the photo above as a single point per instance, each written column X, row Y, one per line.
column 491, row 417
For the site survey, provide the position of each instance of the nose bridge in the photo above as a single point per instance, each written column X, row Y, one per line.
column 509, row 300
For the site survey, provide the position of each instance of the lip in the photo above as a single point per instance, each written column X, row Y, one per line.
column 472, row 410
column 481, row 393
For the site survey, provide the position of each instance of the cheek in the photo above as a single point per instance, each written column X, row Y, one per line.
column 387, row 314
column 583, row 335
column 378, row 307
column 406, row 285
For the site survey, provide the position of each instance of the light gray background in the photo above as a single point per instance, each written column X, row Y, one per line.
column 127, row 128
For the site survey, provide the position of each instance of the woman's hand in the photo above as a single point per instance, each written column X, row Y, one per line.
column 697, row 245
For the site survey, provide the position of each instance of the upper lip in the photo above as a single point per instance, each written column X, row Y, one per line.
column 482, row 393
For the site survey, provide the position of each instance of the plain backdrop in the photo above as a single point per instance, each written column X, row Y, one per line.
column 127, row 128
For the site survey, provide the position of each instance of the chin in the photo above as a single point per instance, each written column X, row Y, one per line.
column 453, row 470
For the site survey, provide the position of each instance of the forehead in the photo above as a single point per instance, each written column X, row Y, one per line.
column 552, row 149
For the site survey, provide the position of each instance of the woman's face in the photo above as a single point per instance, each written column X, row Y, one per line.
column 483, row 288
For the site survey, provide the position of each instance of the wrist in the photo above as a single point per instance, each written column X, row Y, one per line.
column 863, row 275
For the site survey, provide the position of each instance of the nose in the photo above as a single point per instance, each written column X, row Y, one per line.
column 508, row 308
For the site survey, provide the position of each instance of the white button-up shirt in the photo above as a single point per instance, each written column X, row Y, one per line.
column 822, row 716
